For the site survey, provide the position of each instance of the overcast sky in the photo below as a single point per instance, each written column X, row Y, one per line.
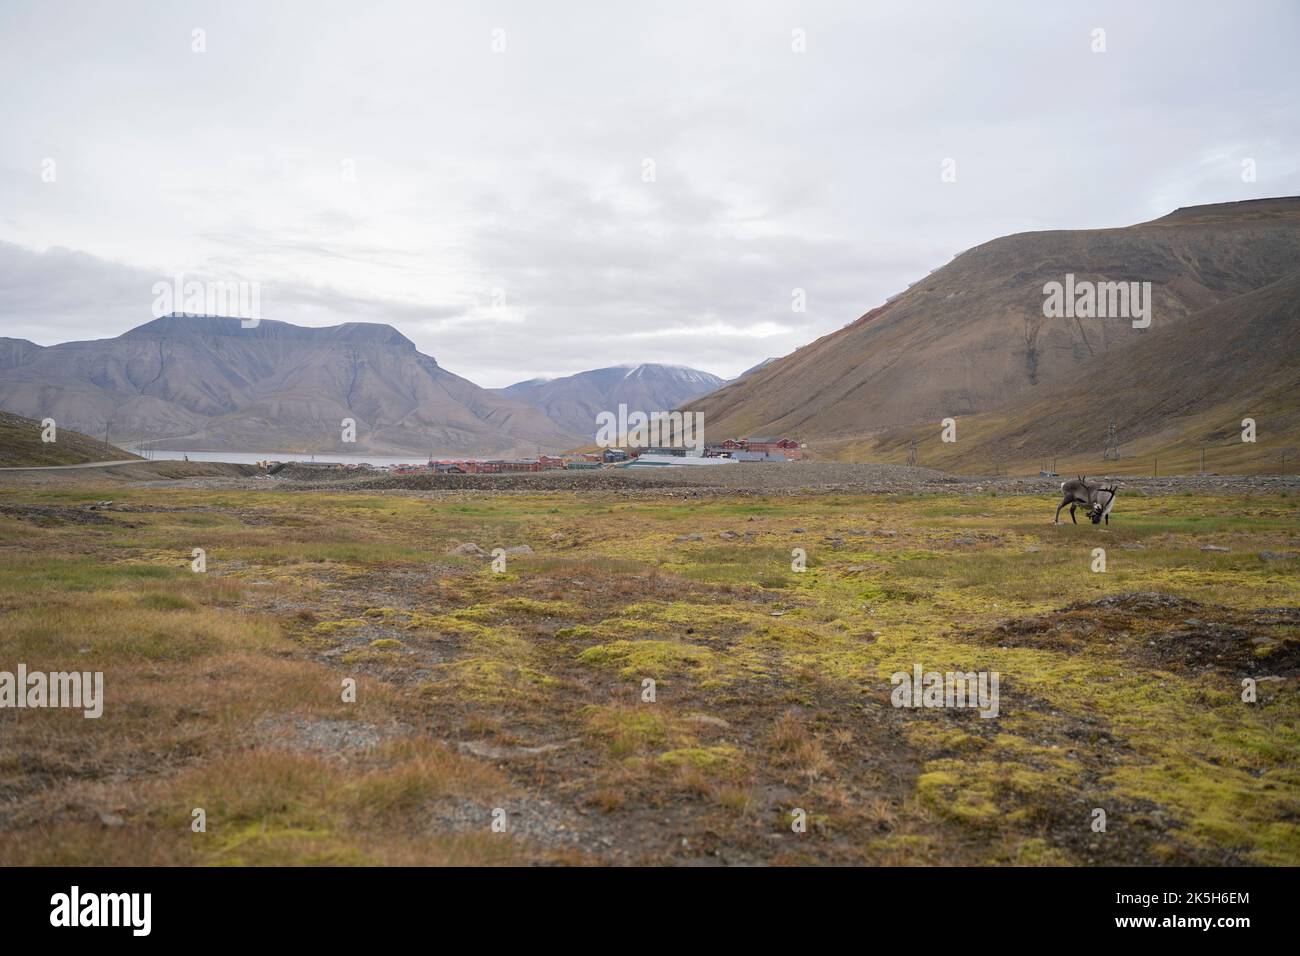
column 389, row 162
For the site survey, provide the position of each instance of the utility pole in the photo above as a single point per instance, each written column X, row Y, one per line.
column 911, row 454
column 1202, row 459
column 1155, row 466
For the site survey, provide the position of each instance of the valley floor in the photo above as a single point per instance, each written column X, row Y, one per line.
column 520, row 696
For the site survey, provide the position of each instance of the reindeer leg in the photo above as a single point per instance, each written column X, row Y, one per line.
column 1072, row 517
column 1057, row 519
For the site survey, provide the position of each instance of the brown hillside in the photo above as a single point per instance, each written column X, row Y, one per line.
column 1182, row 388
column 21, row 445
column 971, row 336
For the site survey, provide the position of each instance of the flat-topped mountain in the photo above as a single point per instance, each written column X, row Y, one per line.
column 209, row 383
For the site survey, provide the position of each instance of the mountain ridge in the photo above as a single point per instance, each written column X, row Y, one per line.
column 208, row 383
column 971, row 336
column 573, row 401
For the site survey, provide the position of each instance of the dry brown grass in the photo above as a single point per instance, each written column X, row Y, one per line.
column 523, row 690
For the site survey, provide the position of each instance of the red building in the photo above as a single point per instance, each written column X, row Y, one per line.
column 788, row 448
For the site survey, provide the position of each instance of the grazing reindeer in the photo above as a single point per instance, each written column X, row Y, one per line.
column 1098, row 498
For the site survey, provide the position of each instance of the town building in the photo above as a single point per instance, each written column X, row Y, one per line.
column 772, row 444
column 674, row 461
column 765, row 448
column 756, row 456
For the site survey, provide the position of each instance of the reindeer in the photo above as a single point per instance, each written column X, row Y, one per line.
column 1098, row 497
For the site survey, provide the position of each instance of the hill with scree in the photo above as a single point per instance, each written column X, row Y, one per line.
column 970, row 341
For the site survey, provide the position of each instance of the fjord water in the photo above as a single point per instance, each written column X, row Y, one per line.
column 252, row 457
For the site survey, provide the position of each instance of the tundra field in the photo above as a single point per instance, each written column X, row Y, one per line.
column 519, row 696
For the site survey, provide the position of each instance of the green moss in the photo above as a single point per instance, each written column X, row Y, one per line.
column 945, row 792
column 649, row 658
column 515, row 607
column 1086, row 709
column 716, row 757
column 1038, row 852
column 630, row 730
column 483, row 680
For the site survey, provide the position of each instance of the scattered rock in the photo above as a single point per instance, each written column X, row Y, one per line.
column 328, row 736
column 111, row 820
column 468, row 548
column 707, row 721
column 533, row 819
column 694, row 536
column 519, row 549
column 1216, row 547
column 481, row 748
column 1278, row 555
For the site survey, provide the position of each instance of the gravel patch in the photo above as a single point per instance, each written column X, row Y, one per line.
column 534, row 819
column 327, row 736
column 795, row 478
column 741, row 480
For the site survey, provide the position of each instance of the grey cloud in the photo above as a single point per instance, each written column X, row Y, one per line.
column 521, row 171
column 61, row 295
